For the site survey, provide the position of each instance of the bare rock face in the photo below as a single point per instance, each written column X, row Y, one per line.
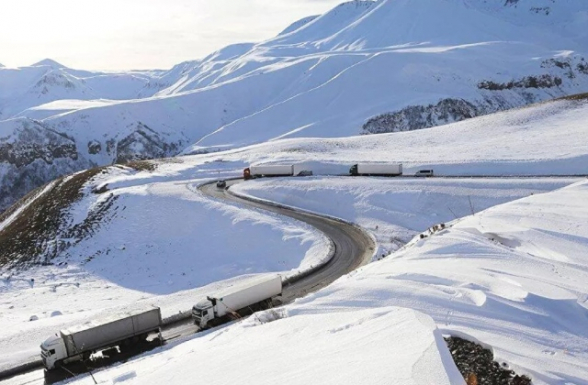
column 94, row 147
column 143, row 143
column 36, row 153
column 560, row 74
column 417, row 117
column 32, row 156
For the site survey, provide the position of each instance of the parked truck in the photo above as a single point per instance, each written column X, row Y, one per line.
column 268, row 170
column 242, row 298
column 376, row 169
column 79, row 342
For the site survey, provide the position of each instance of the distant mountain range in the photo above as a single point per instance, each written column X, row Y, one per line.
column 364, row 67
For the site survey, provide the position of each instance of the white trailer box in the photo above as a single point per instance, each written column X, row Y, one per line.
column 376, row 169
column 80, row 341
column 272, row 170
column 321, row 168
column 239, row 296
column 105, row 331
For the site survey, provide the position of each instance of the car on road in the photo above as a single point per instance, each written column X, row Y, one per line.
column 424, row 173
column 221, row 184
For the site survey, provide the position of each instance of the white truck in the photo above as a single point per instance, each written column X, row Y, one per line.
column 376, row 169
column 242, row 298
column 268, row 170
column 79, row 342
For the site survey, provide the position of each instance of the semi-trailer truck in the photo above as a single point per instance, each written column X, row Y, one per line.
column 268, row 170
column 79, row 342
column 377, row 169
column 243, row 297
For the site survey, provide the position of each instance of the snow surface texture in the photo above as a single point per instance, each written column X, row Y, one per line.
column 395, row 211
column 151, row 205
column 367, row 346
column 324, row 76
column 512, row 277
column 157, row 244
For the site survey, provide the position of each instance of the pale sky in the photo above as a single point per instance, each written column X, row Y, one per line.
column 138, row 34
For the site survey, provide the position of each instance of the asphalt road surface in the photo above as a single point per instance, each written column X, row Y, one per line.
column 352, row 248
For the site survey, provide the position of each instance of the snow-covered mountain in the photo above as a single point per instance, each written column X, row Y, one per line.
column 512, row 277
column 363, row 67
column 28, row 87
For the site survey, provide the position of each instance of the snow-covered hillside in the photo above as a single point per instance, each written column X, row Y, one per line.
column 112, row 236
column 364, row 67
column 512, row 277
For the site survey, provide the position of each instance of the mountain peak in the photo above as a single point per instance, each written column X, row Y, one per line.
column 49, row 63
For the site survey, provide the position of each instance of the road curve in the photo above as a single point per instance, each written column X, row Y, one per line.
column 353, row 247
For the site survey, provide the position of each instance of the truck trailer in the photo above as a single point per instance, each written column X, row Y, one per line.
column 268, row 170
column 79, row 342
column 376, row 169
column 242, row 298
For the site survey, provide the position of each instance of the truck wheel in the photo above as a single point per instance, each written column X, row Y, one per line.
column 125, row 345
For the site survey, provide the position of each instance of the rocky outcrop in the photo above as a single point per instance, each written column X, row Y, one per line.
column 144, row 143
column 36, row 153
column 417, row 117
column 561, row 74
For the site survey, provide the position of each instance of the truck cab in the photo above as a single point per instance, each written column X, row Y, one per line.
column 202, row 313
column 52, row 351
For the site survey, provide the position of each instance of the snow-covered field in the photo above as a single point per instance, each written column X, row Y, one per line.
column 395, row 210
column 512, row 277
column 161, row 244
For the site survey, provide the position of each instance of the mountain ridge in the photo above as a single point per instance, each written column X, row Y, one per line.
column 363, row 67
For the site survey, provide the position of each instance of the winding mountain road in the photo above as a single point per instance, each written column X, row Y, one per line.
column 352, row 247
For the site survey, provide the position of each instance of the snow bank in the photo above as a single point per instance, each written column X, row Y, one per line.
column 545, row 139
column 513, row 277
column 394, row 210
column 351, row 347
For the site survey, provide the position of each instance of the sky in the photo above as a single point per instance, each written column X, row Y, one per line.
column 138, row 34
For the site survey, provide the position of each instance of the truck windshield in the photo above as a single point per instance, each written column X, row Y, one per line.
column 47, row 352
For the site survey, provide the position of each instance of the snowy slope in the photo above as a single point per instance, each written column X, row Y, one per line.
column 364, row 67
column 134, row 219
column 547, row 139
column 512, row 277
column 293, row 350
column 395, row 211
